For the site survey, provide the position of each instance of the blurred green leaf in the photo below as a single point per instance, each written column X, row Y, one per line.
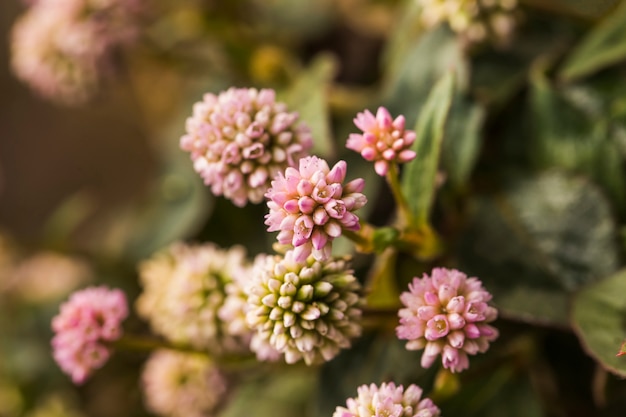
column 462, row 140
column 416, row 64
column 599, row 319
column 540, row 239
column 604, row 45
column 503, row 392
column 574, row 129
column 419, row 177
column 308, row 95
column 281, row 394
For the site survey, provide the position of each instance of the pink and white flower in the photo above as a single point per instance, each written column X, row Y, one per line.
column 447, row 314
column 384, row 140
column 388, row 400
column 240, row 139
column 311, row 206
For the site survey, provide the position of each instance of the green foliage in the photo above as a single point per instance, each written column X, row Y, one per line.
column 598, row 314
column 420, row 175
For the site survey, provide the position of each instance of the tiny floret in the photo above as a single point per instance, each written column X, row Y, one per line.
column 179, row 384
column 307, row 310
column 240, row 139
column 388, row 400
column 447, row 313
column 84, row 328
column 310, row 206
column 384, row 140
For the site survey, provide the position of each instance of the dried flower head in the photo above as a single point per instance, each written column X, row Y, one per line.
column 184, row 289
column 310, row 206
column 179, row 384
column 389, row 401
column 383, row 141
column 476, row 20
column 240, row 139
column 63, row 48
column 447, row 313
column 307, row 310
column 86, row 323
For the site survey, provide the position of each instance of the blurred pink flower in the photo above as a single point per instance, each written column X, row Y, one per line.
column 87, row 321
column 447, row 313
column 383, row 141
column 240, row 139
column 63, row 48
column 177, row 384
column 389, row 401
column 310, row 206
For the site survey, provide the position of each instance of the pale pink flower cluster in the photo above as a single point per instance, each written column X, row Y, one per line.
column 384, row 140
column 179, row 384
column 476, row 20
column 311, row 206
column 447, row 313
column 388, row 400
column 240, row 139
column 87, row 322
column 64, row 48
column 190, row 296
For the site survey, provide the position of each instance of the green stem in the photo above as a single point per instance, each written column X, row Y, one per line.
column 146, row 344
column 404, row 212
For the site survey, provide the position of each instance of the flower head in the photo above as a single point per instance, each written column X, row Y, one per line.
column 389, row 401
column 240, row 139
column 383, row 141
column 310, row 206
column 179, row 384
column 87, row 321
column 185, row 290
column 474, row 19
column 447, row 313
column 305, row 310
column 63, row 48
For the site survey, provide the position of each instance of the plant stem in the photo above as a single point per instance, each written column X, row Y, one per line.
column 405, row 216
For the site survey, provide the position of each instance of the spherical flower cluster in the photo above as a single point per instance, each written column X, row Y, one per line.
column 63, row 48
column 184, row 290
column 86, row 323
column 240, row 139
column 179, row 384
column 383, row 141
column 447, row 313
column 310, row 207
column 307, row 310
column 389, row 401
column 474, row 19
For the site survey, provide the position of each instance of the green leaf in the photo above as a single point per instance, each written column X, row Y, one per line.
column 598, row 317
column 462, row 140
column 281, row 394
column 539, row 240
column 577, row 129
column 308, row 95
column 408, row 75
column 604, row 45
column 420, row 175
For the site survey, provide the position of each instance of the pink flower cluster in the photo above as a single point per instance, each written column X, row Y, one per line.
column 63, row 48
column 447, row 313
column 389, row 401
column 383, row 141
column 87, row 321
column 310, row 206
column 240, row 139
